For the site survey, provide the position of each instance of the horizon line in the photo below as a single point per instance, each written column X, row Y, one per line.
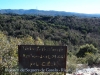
column 52, row 10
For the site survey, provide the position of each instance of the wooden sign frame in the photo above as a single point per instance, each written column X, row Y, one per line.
column 42, row 58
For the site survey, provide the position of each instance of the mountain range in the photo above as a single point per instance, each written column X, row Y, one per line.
column 44, row 12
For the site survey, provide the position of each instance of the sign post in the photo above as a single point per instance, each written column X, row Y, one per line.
column 42, row 58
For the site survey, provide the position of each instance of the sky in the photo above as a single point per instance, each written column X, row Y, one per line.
column 79, row 6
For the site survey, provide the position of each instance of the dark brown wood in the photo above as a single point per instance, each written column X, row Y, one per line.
column 42, row 58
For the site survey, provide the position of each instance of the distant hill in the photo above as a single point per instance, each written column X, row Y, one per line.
column 42, row 12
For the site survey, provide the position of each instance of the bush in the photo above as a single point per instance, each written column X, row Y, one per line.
column 86, row 49
column 81, row 60
column 92, row 60
column 71, row 68
column 71, row 65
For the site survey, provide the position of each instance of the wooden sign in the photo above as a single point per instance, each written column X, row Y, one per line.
column 39, row 58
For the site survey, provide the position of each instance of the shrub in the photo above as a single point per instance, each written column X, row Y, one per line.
column 71, row 65
column 90, row 59
column 86, row 49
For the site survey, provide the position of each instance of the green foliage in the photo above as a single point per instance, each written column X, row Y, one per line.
column 81, row 60
column 67, row 29
column 71, row 63
column 28, row 40
column 92, row 60
column 9, row 51
column 38, row 41
column 97, row 59
column 50, row 30
column 86, row 49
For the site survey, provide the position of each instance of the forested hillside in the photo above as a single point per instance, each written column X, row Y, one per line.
column 79, row 34
column 62, row 30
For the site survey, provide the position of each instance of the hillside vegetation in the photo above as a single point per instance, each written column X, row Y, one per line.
column 81, row 35
column 61, row 30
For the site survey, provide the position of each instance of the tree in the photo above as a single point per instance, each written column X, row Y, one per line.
column 86, row 49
